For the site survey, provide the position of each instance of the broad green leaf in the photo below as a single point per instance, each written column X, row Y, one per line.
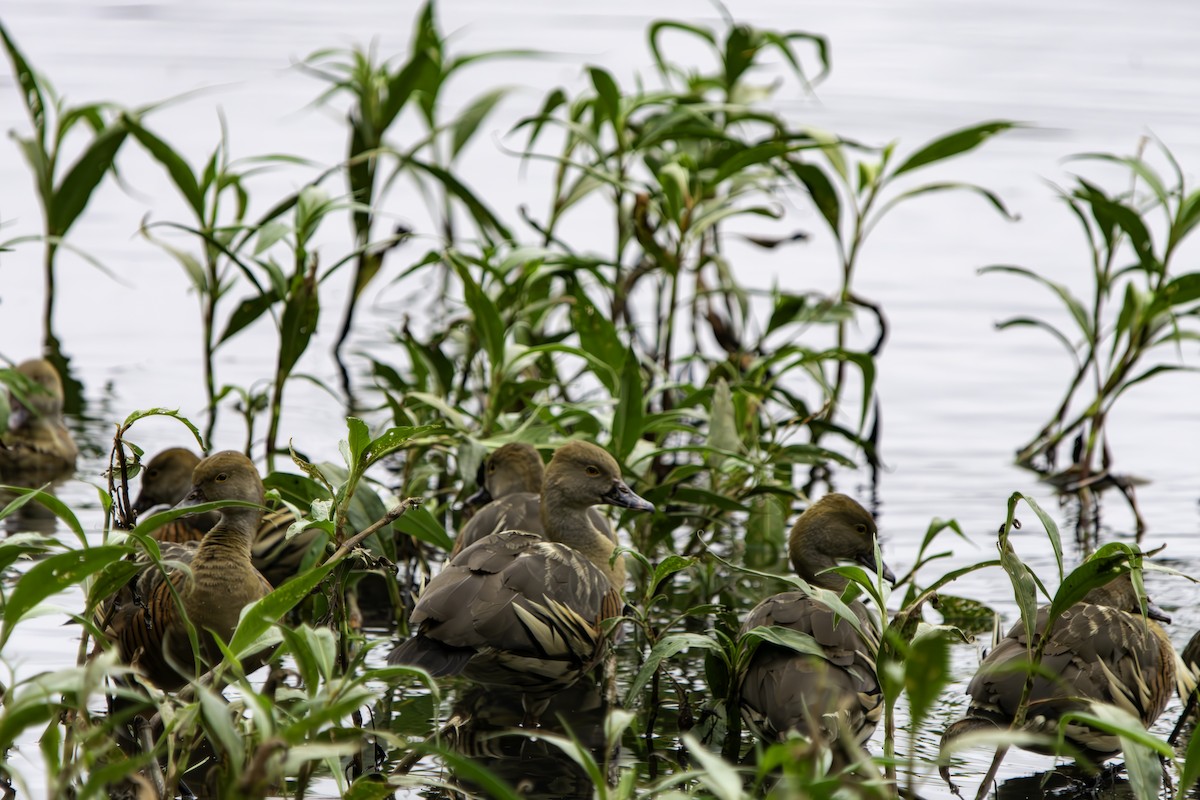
column 75, row 189
column 358, row 439
column 423, row 526
column 721, row 777
column 823, row 193
column 1106, row 564
column 609, row 94
column 799, row 641
column 668, row 646
column 926, row 672
column 669, row 566
column 52, row 575
column 301, row 310
column 393, row 439
column 61, row 510
column 264, row 613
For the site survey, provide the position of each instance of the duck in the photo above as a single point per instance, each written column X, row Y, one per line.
column 214, row 579
column 829, row 697
column 166, row 480
column 37, row 446
column 522, row 610
column 1100, row 650
column 510, row 497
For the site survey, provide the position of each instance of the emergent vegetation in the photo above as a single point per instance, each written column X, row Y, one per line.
column 713, row 396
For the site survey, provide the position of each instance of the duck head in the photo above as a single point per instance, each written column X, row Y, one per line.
column 167, row 478
column 582, row 475
column 834, row 529
column 227, row 475
column 515, row 467
column 44, row 401
column 1119, row 593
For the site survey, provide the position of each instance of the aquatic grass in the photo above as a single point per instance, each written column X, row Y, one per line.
column 1141, row 308
column 380, row 94
column 63, row 190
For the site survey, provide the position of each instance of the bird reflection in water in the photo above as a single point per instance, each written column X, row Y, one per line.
column 1069, row 782
column 524, row 758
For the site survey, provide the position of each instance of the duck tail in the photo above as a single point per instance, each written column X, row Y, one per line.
column 436, row 658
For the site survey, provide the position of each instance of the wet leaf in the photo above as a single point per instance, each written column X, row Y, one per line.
column 52, row 575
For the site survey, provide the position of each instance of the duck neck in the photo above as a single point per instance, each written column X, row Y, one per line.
column 810, row 564
column 230, row 539
column 570, row 525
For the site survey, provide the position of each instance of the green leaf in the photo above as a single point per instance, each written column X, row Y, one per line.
column 393, row 439
column 247, row 312
column 782, row 636
column 926, row 672
column 609, row 94
column 423, row 526
column 471, row 118
column 722, row 424
column 61, row 510
column 1076, row 308
column 75, row 189
column 300, row 312
column 953, row 144
column 264, row 613
column 721, row 777
column 669, row 566
column 358, row 439
column 668, row 646
column 488, row 325
column 176, row 166
column 1191, row 764
column 598, row 336
column 52, row 575
column 631, row 401
column 1106, row 564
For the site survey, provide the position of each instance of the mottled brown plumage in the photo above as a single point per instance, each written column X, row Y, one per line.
column 511, row 487
column 1100, row 650
column 517, row 610
column 836, row 694
column 214, row 580
column 37, row 447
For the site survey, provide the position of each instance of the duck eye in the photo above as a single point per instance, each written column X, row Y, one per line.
column 861, row 528
column 152, row 473
column 592, row 471
column 221, row 477
column 491, row 468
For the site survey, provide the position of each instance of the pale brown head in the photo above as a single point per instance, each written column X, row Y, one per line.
column 167, row 478
column 832, row 530
column 43, row 400
column 1120, row 594
column 582, row 475
column 228, row 475
column 515, row 467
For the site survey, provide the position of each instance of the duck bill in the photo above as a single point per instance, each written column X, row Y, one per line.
column 194, row 498
column 479, row 499
column 622, row 496
column 18, row 416
column 1156, row 613
column 868, row 561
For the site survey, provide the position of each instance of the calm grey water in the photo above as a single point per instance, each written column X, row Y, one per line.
column 958, row 396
